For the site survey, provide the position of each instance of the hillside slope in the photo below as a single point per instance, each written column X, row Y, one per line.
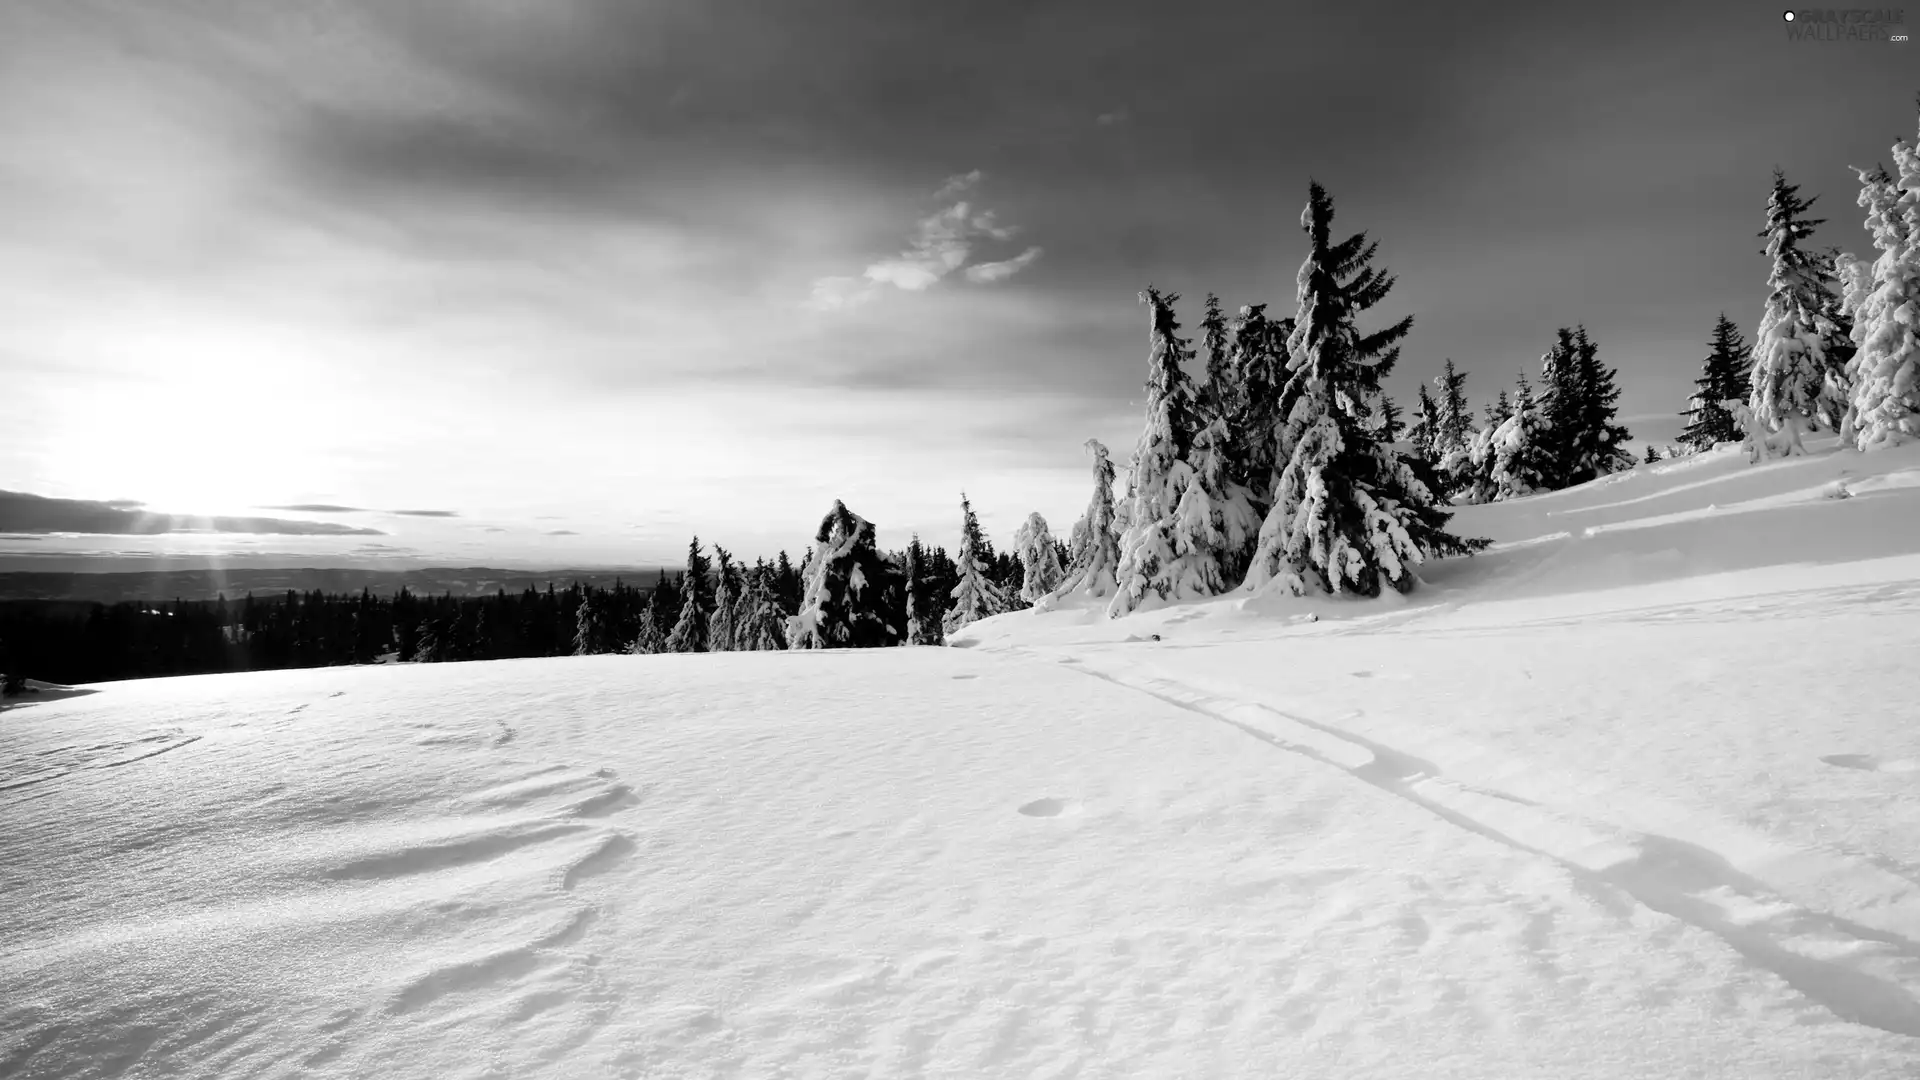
column 1637, row 793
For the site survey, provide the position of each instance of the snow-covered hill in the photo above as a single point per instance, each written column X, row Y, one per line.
column 1635, row 794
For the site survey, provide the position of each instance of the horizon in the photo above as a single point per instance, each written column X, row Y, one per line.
column 561, row 286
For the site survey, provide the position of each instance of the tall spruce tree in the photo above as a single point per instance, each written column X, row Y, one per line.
column 1173, row 541
column 1884, row 300
column 1597, row 446
column 1424, row 432
column 1391, row 425
column 1455, row 428
column 1789, row 390
column 974, row 596
column 1349, row 516
column 1259, row 349
column 696, row 592
column 1096, row 546
column 649, row 639
column 726, row 595
column 850, row 590
column 1723, row 378
column 1221, row 394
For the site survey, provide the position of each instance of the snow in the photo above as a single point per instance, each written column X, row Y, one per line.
column 1632, row 794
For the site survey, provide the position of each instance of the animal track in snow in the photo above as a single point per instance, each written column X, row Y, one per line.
column 1869, row 763
column 1049, row 807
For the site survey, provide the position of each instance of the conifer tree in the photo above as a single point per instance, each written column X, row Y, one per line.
column 1723, row 378
column 587, row 619
column 1096, row 545
column 1884, row 300
column 923, row 621
column 649, row 640
column 975, row 596
column 1499, row 409
column 762, row 626
column 1173, row 541
column 1454, row 429
column 1522, row 461
column 1391, row 427
column 1653, row 454
column 850, row 591
column 726, row 594
column 1789, row 386
column 1221, row 394
column 1259, row 350
column 786, row 583
column 1039, row 560
column 1424, row 433
column 1349, row 516
column 1597, row 445
column 689, row 633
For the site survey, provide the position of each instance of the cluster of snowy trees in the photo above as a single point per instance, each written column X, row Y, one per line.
column 1838, row 347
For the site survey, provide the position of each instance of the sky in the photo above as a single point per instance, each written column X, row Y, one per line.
column 566, row 282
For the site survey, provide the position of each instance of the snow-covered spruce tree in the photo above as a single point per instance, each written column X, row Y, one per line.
column 762, row 625
column 649, row 640
column 1424, row 432
column 586, row 626
column 1096, row 546
column 1259, row 350
column 849, row 589
column 1597, row 445
column 1222, row 394
column 1885, row 302
column 726, row 591
column 1391, row 426
column 689, row 632
column 1455, row 429
column 1723, row 378
column 1039, row 560
column 1520, row 459
column 923, row 617
column 1653, row 454
column 1172, row 546
column 1788, row 388
column 1349, row 517
column 975, row 596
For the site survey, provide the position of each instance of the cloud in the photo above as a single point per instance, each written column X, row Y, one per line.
column 24, row 513
column 940, row 244
column 426, row 513
column 984, row 273
column 561, row 532
column 494, row 529
column 313, row 508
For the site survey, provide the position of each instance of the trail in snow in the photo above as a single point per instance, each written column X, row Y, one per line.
column 1863, row 975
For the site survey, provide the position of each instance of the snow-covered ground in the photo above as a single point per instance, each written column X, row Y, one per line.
column 1636, row 794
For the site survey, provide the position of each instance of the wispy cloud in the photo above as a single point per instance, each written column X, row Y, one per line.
column 315, row 508
column 426, row 513
column 940, row 244
column 24, row 513
column 561, row 532
column 983, row 273
column 493, row 529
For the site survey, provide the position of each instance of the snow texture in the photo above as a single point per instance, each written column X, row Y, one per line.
column 1546, row 818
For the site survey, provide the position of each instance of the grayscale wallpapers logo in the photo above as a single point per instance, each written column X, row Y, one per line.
column 1846, row 24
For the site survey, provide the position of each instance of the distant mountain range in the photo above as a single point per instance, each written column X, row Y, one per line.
column 235, row 582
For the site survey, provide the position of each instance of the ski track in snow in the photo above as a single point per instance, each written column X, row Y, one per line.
column 1860, row 974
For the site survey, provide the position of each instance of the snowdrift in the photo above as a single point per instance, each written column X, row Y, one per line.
column 1636, row 793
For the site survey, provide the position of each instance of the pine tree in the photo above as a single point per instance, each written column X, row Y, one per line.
column 1391, row 427
column 1172, row 544
column 786, row 584
column 586, row 634
column 923, row 624
column 690, row 629
column 1349, row 516
column 1522, row 461
column 975, row 596
column 1884, row 300
column 1259, row 351
column 726, row 594
column 1598, row 445
column 762, row 626
column 1096, row 546
column 1789, row 390
column 649, row 640
column 850, row 591
column 1221, row 396
column 1039, row 560
column 1722, row 379
column 1424, row 433
column 1454, row 428
column 1653, row 454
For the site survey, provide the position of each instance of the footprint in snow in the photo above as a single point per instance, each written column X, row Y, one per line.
column 1870, row 763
